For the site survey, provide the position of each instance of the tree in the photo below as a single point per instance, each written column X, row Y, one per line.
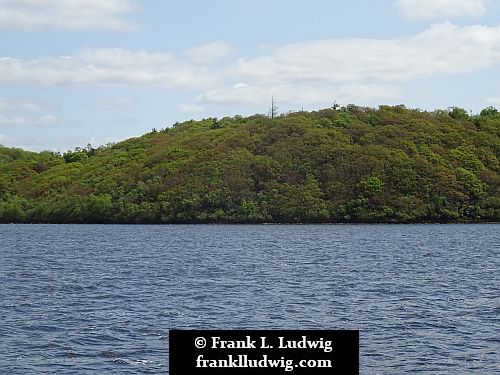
column 458, row 113
column 488, row 111
column 76, row 156
column 273, row 111
column 357, row 164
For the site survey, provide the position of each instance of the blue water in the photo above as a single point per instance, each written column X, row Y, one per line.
column 96, row 299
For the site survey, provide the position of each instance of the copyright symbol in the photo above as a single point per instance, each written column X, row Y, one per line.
column 200, row 342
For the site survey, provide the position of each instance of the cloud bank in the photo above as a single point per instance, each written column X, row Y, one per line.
column 108, row 66
column 31, row 15
column 315, row 72
column 22, row 120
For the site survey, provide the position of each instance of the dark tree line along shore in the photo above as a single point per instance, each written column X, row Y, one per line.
column 351, row 164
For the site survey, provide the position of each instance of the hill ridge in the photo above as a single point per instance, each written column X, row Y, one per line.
column 353, row 164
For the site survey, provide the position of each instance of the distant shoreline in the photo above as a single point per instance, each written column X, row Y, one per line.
column 257, row 224
column 337, row 165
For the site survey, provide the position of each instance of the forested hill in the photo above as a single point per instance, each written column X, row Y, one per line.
column 352, row 164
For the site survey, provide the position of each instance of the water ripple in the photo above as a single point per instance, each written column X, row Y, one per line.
column 101, row 299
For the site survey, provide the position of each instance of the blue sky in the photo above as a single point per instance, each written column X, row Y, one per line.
column 74, row 72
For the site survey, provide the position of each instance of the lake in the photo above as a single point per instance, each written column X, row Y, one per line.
column 94, row 299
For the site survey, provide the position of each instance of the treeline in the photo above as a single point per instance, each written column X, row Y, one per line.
column 351, row 164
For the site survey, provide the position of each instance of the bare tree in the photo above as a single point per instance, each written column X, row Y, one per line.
column 273, row 111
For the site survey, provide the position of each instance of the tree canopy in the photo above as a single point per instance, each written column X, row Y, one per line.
column 348, row 164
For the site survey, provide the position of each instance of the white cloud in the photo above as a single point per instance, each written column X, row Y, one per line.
column 260, row 95
column 317, row 72
column 300, row 94
column 22, row 112
column 191, row 108
column 112, row 66
column 47, row 120
column 441, row 9
column 208, row 53
column 366, row 93
column 65, row 14
column 20, row 120
column 442, row 49
column 18, row 105
column 356, row 70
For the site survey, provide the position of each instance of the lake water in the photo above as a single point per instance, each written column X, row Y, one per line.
column 95, row 299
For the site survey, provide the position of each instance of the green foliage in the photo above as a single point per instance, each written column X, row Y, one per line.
column 353, row 164
column 73, row 157
column 12, row 211
column 370, row 186
column 489, row 111
column 458, row 113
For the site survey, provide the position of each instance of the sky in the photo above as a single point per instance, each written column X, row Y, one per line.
column 74, row 72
